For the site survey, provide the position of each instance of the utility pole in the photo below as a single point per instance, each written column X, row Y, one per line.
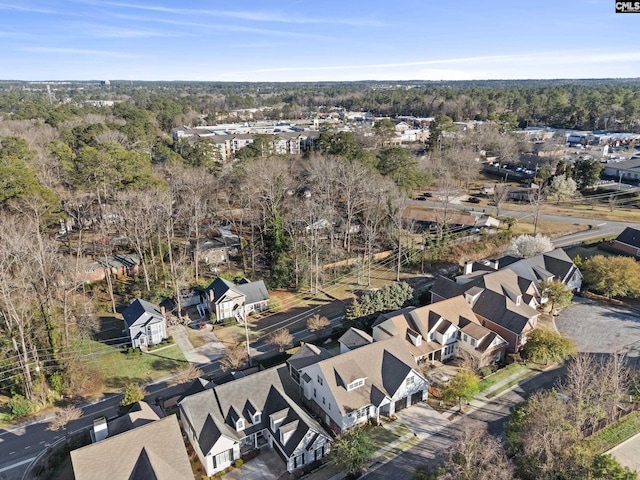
column 246, row 334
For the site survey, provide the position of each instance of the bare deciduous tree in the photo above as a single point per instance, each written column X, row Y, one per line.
column 186, row 374
column 476, row 455
column 63, row 417
column 234, row 358
column 281, row 339
column 500, row 196
column 317, row 323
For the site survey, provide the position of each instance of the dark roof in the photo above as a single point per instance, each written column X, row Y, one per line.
column 308, row 354
column 355, row 338
column 212, row 412
column 253, row 292
column 139, row 307
column 630, row 236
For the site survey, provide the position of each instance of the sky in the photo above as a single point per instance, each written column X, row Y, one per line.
column 309, row 40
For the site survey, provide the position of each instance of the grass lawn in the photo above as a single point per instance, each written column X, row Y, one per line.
column 502, row 374
column 550, row 229
column 195, row 338
column 615, row 434
column 381, row 436
column 119, row 369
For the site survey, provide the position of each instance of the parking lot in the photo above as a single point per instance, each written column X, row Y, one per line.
column 602, row 328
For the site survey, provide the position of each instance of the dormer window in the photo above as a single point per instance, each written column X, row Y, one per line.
column 257, row 417
column 518, row 299
column 240, row 424
column 355, row 384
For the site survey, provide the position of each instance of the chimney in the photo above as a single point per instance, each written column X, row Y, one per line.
column 100, row 429
column 495, row 264
column 163, row 311
column 211, row 296
column 468, row 268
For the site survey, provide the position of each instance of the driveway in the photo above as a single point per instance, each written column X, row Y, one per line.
column 628, row 453
column 204, row 355
column 422, row 420
column 266, row 466
column 602, row 328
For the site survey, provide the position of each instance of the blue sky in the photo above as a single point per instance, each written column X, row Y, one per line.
column 308, row 40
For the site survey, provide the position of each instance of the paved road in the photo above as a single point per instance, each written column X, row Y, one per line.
column 20, row 445
column 600, row 228
column 598, row 327
column 495, row 413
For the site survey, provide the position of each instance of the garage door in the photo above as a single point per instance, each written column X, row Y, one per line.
column 416, row 397
column 400, row 404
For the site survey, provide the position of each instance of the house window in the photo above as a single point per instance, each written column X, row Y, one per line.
column 498, row 355
column 473, row 342
column 240, row 424
column 363, row 412
column 464, row 337
column 223, row 459
column 323, row 401
column 410, row 380
column 298, row 461
column 319, row 379
column 355, row 384
column 314, row 392
column 257, row 417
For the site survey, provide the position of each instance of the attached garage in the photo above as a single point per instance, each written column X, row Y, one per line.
column 416, row 397
column 401, row 404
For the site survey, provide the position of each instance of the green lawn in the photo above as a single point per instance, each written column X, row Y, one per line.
column 502, row 374
column 615, row 434
column 382, row 437
column 119, row 369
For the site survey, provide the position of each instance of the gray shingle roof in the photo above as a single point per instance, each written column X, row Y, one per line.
column 212, row 412
column 355, row 338
column 308, row 354
column 254, row 292
column 137, row 308
column 153, row 451
column 630, row 236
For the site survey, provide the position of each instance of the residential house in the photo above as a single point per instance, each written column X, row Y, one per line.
column 228, row 300
column 375, row 380
column 428, row 218
column 504, row 302
column 354, row 338
column 118, row 265
column 553, row 265
column 216, row 250
column 254, row 412
column 153, row 450
column 628, row 242
column 522, row 194
column 145, row 323
column 307, row 354
column 440, row 331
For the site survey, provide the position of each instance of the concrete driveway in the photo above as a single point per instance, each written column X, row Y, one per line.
column 422, row 420
column 602, row 328
column 212, row 350
column 628, row 453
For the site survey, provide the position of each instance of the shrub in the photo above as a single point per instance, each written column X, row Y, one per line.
column 20, row 406
column 239, row 463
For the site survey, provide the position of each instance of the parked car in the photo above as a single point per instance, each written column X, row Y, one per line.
column 428, row 194
column 473, row 200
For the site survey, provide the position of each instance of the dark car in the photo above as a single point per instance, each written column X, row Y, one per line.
column 473, row 200
column 428, row 194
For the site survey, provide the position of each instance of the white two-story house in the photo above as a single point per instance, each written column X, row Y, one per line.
column 374, row 380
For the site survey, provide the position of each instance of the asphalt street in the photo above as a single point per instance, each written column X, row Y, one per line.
column 495, row 413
